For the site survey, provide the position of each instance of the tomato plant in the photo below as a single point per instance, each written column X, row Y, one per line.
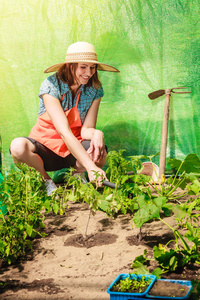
column 24, row 195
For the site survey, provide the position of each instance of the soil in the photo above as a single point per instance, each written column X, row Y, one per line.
column 169, row 289
column 67, row 264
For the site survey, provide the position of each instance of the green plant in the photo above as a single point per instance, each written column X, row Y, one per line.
column 185, row 171
column 58, row 201
column 23, row 193
column 133, row 284
column 173, row 188
column 186, row 216
column 124, row 285
column 104, row 198
column 117, row 165
column 20, row 193
column 181, row 255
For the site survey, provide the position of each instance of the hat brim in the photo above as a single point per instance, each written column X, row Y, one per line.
column 100, row 66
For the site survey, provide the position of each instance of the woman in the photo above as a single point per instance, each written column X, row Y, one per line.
column 65, row 135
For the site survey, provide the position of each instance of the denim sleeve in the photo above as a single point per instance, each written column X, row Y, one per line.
column 99, row 94
column 49, row 87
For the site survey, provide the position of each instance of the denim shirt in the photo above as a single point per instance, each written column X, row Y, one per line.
column 56, row 87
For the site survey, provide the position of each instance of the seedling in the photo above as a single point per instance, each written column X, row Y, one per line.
column 132, row 285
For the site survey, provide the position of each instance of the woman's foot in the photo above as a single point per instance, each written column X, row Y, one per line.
column 50, row 186
column 83, row 177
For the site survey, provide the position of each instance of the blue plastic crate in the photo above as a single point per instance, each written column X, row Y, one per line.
column 129, row 296
column 183, row 282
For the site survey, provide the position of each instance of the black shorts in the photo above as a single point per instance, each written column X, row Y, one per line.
column 52, row 161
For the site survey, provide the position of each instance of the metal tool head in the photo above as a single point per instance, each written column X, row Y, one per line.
column 156, row 94
column 159, row 93
column 181, row 92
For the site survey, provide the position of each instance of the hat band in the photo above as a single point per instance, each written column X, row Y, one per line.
column 82, row 56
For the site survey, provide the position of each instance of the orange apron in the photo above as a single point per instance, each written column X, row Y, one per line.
column 45, row 132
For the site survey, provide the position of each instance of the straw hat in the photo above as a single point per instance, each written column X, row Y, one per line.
column 81, row 52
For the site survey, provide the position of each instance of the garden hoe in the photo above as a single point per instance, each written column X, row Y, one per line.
column 163, row 149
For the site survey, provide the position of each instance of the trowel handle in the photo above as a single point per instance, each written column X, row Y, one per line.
column 109, row 184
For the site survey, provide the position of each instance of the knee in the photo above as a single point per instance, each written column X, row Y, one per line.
column 18, row 147
column 102, row 162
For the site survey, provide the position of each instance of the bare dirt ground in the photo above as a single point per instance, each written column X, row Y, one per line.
column 64, row 265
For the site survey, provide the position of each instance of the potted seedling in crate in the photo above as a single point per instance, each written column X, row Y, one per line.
column 130, row 286
column 141, row 287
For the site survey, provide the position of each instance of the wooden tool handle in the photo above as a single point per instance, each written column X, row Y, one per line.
column 164, row 133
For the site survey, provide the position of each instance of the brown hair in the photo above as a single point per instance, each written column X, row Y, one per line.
column 67, row 74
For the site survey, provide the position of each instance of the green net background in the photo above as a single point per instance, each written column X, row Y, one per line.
column 154, row 44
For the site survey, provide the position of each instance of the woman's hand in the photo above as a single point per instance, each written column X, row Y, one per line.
column 97, row 147
column 97, row 175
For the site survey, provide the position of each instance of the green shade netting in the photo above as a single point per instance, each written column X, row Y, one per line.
column 154, row 44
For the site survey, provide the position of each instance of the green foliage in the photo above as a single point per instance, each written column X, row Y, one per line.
column 124, row 285
column 109, row 200
column 191, row 164
column 117, row 166
column 148, row 209
column 182, row 254
column 168, row 259
column 135, row 190
column 186, row 216
column 140, row 265
column 131, row 284
column 24, row 195
column 21, row 193
column 186, row 171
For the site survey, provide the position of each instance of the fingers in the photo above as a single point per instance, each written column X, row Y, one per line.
column 91, row 149
column 95, row 152
column 96, row 155
column 97, row 176
column 97, row 146
column 99, row 154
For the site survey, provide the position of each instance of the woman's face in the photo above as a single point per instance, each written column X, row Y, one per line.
column 84, row 72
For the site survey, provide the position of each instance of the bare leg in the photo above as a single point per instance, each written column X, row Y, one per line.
column 22, row 151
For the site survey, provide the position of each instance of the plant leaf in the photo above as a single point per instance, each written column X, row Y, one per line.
column 167, row 209
column 55, row 208
column 29, row 229
column 157, row 272
column 191, row 164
